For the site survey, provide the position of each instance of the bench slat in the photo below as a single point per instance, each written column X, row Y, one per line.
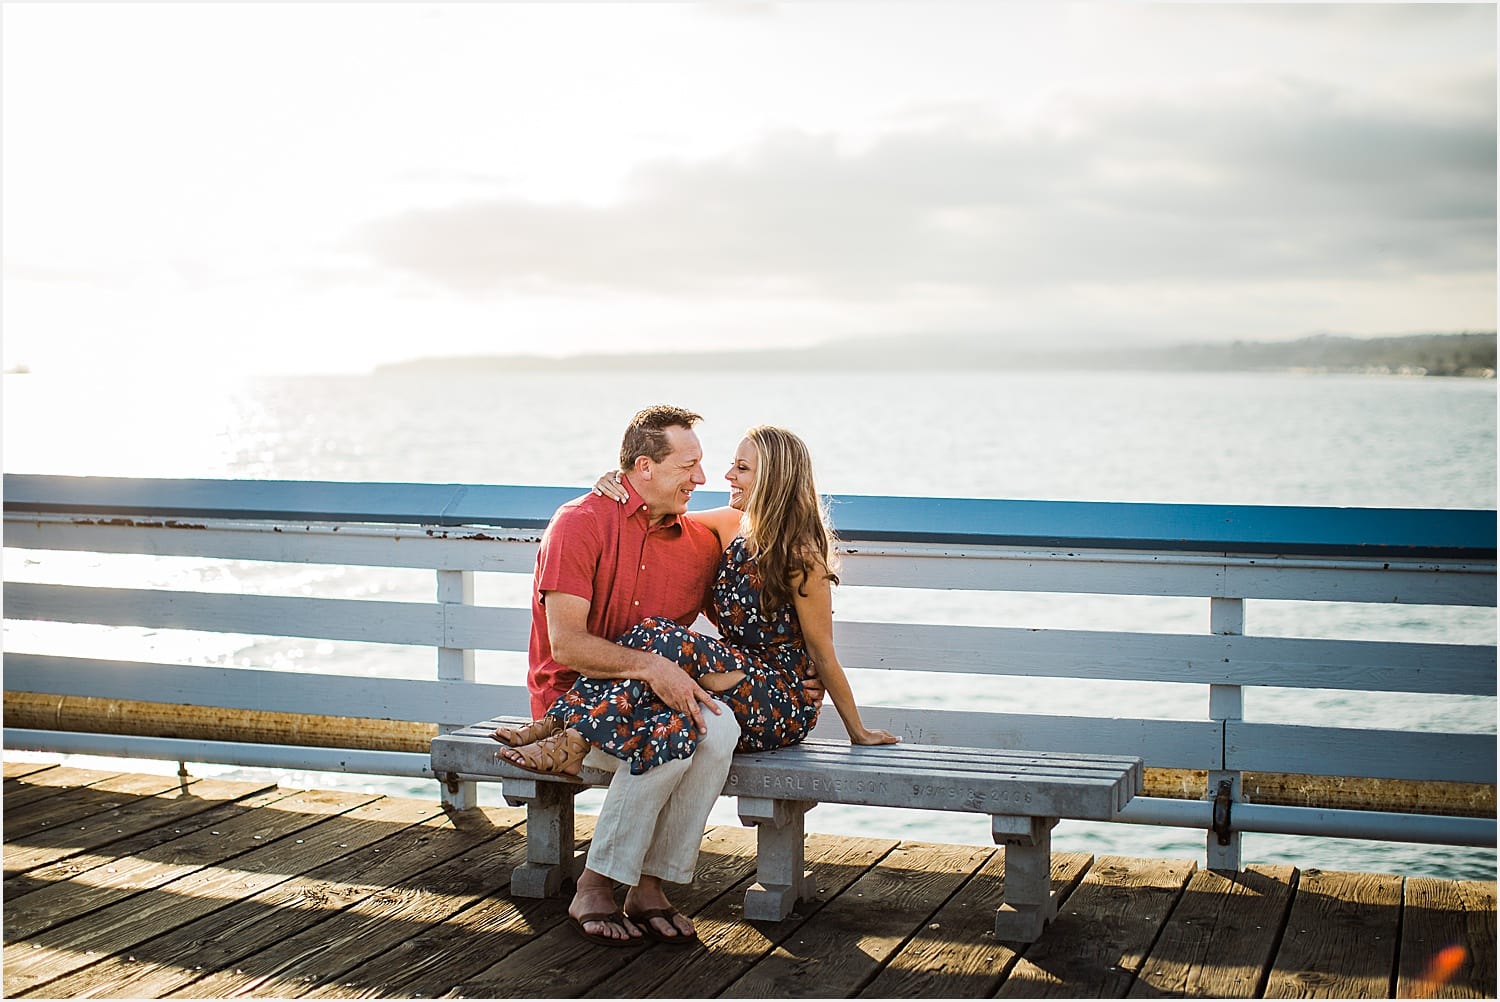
column 924, row 777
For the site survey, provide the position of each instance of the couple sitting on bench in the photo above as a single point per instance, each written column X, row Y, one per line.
column 615, row 678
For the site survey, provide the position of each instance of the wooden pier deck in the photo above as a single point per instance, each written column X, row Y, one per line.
column 123, row 885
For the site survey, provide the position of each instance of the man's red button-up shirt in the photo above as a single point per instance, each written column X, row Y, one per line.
column 627, row 569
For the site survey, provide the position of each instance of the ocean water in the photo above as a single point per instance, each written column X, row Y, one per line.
column 1270, row 438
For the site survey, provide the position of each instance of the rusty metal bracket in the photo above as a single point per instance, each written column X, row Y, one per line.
column 450, row 779
column 1222, row 802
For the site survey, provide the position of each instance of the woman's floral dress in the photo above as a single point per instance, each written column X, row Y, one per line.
column 625, row 718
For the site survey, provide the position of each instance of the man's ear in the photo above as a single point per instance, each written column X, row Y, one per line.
column 642, row 467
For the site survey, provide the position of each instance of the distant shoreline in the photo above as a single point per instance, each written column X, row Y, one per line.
column 1470, row 355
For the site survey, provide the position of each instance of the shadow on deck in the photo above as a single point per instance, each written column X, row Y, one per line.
column 127, row 885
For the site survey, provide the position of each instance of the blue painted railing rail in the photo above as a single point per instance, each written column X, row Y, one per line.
column 1413, row 533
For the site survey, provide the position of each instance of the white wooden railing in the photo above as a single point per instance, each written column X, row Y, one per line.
column 1223, row 556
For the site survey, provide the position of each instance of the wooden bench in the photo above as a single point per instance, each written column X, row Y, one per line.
column 1025, row 794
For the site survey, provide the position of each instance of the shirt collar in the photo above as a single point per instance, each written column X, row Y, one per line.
column 636, row 505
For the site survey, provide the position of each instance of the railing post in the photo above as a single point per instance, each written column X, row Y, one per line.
column 456, row 664
column 1226, row 618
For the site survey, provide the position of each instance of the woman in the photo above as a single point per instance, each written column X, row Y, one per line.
column 772, row 601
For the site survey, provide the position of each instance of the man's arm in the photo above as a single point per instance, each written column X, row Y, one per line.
column 594, row 657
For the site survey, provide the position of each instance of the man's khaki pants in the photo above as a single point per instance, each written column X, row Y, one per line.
column 653, row 823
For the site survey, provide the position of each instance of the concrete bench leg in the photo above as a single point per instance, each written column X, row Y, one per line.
column 781, row 880
column 1028, row 903
column 551, row 859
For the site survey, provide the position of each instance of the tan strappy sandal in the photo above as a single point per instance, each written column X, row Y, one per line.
column 559, row 755
column 542, row 727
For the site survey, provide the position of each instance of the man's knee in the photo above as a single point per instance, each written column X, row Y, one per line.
column 723, row 734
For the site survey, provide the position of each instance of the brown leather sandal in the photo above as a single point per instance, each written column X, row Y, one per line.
column 559, row 755
column 542, row 727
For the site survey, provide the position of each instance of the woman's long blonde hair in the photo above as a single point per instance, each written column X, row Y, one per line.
column 788, row 530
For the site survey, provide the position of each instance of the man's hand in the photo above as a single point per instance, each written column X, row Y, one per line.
column 678, row 690
column 814, row 691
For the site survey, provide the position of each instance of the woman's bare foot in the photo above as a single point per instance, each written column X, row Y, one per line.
column 649, row 901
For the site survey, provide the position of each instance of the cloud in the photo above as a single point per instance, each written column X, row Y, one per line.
column 1288, row 181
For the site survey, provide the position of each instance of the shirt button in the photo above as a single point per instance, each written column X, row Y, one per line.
column 637, row 603
column 643, row 566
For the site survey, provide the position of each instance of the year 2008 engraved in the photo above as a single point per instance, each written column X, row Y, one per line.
column 934, row 792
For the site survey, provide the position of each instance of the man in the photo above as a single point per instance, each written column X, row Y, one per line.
column 601, row 569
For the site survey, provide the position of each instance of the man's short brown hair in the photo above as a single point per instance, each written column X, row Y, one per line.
column 646, row 435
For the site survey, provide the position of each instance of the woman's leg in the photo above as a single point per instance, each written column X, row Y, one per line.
column 625, row 719
column 714, row 664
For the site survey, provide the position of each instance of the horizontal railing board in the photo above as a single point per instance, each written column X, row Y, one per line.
column 977, row 568
column 1196, row 527
column 315, row 500
column 1210, row 659
column 1294, row 662
column 1160, row 575
column 241, row 753
column 1354, row 751
column 285, row 543
column 416, row 700
column 365, row 620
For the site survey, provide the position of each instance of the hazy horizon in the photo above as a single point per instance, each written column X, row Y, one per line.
column 561, row 179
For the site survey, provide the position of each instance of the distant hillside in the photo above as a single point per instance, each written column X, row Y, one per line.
column 1466, row 354
column 1419, row 354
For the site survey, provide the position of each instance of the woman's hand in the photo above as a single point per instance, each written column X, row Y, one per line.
column 609, row 486
column 873, row 736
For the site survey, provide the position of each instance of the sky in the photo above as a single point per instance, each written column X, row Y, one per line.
column 327, row 188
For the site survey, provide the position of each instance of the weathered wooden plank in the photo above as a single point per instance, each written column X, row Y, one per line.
column 384, row 938
column 108, row 797
column 48, row 784
column 120, row 868
column 464, row 940
column 728, row 944
column 15, row 770
column 956, row 954
column 1447, row 939
column 558, row 963
column 145, row 814
column 1341, row 938
column 243, row 862
column 1221, row 937
column 1095, row 946
column 94, row 715
column 859, row 930
column 233, row 933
